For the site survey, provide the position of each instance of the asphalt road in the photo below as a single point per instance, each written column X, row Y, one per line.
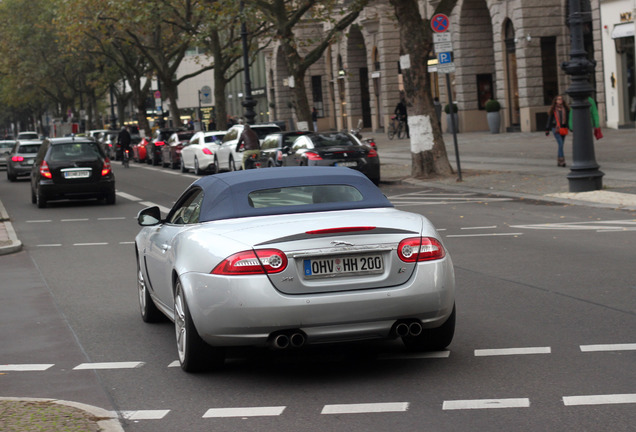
column 544, row 341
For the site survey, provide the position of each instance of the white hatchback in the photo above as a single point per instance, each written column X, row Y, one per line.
column 200, row 154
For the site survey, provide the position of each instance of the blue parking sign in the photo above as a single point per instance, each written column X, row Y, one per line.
column 445, row 57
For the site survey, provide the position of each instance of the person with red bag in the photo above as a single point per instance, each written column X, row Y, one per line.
column 558, row 117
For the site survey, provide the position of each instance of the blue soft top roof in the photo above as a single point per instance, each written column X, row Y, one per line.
column 226, row 194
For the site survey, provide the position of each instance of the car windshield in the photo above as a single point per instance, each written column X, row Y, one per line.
column 28, row 135
column 29, row 148
column 302, row 195
column 6, row 145
column 72, row 151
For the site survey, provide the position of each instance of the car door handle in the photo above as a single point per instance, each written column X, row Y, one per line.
column 165, row 248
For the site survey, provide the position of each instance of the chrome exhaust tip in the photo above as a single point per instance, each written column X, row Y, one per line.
column 402, row 329
column 281, row 341
column 415, row 329
column 297, row 340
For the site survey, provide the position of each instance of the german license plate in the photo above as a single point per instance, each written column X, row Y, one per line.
column 28, row 162
column 347, row 164
column 343, row 266
column 77, row 174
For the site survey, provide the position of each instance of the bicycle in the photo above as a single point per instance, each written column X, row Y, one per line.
column 399, row 130
column 125, row 158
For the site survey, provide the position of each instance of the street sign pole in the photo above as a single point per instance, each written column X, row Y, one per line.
column 443, row 46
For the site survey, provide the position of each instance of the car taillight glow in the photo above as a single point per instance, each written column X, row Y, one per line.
column 418, row 249
column 372, row 153
column 106, row 168
column 17, row 159
column 313, row 156
column 263, row 261
column 44, row 170
column 159, row 143
column 207, row 151
column 341, row 230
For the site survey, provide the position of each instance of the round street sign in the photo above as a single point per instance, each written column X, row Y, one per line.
column 440, row 23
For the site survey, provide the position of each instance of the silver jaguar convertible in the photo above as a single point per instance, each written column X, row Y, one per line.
column 289, row 257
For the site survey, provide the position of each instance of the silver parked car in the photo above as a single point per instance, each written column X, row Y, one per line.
column 290, row 257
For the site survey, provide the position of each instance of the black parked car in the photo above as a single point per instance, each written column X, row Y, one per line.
column 71, row 168
column 275, row 145
column 159, row 139
column 334, row 149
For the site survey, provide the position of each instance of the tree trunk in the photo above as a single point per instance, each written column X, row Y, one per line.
column 428, row 151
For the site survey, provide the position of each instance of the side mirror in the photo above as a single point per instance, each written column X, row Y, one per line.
column 149, row 216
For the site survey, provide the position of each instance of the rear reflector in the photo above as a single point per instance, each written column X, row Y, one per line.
column 341, row 230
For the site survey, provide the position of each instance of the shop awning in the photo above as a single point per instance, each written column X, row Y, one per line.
column 623, row 30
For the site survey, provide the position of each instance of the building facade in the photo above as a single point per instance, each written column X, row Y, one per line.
column 510, row 51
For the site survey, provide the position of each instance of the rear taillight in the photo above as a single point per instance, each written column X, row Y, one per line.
column 45, row 171
column 313, row 156
column 106, row 167
column 17, row 159
column 372, row 153
column 264, row 261
column 417, row 249
column 159, row 143
column 207, row 151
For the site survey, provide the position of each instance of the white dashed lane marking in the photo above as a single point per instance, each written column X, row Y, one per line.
column 244, row 412
column 24, row 367
column 609, row 347
column 109, row 365
column 512, row 351
column 600, row 399
column 486, row 404
column 144, row 414
column 364, row 408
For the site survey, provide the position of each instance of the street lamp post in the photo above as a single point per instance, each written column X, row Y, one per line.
column 584, row 172
column 248, row 103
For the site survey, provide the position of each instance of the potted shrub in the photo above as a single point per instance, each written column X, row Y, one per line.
column 493, row 116
column 449, row 124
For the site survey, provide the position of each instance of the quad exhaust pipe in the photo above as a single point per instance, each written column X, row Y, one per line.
column 407, row 328
column 288, row 339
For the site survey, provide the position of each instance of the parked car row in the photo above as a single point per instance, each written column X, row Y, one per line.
column 210, row 152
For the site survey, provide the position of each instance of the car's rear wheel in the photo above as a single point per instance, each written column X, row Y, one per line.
column 433, row 339
column 197, row 169
column 40, row 200
column 183, row 168
column 164, row 164
column 215, row 168
column 194, row 354
column 232, row 165
column 147, row 307
column 111, row 197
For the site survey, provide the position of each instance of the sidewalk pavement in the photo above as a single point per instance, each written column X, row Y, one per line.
column 521, row 165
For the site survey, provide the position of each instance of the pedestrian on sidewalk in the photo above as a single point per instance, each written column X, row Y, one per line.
column 401, row 113
column 558, row 116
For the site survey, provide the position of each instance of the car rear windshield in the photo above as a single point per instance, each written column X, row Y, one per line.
column 73, row 151
column 303, row 195
column 29, row 148
column 26, row 136
column 6, row 145
column 332, row 140
column 213, row 138
column 262, row 132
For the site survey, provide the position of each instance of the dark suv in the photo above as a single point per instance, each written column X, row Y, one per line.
column 159, row 139
column 71, row 168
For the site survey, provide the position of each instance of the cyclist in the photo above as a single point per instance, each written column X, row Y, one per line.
column 400, row 112
column 124, row 144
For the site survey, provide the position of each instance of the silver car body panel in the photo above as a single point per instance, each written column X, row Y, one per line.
column 246, row 309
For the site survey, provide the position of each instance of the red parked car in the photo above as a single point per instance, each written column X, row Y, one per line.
column 171, row 152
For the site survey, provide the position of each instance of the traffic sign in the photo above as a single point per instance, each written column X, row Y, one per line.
column 443, row 46
column 446, row 68
column 444, row 58
column 440, row 23
column 442, row 37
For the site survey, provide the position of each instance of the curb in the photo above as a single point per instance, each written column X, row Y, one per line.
column 106, row 421
column 14, row 245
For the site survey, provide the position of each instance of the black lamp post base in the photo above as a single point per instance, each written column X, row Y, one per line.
column 586, row 180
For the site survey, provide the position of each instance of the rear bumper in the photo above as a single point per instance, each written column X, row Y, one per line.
column 251, row 308
column 52, row 191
